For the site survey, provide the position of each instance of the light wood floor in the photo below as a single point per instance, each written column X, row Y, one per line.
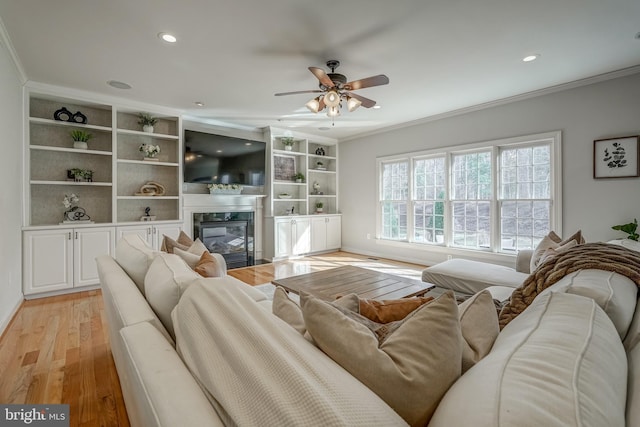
column 56, row 349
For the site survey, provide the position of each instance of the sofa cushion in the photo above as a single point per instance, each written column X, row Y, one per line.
column 258, row 372
column 135, row 256
column 559, row 363
column 633, row 388
column 156, row 376
column 410, row 368
column 469, row 277
column 479, row 325
column 192, row 254
column 167, row 278
column 614, row 293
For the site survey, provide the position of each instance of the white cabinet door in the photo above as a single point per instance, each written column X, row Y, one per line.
column 318, row 234
column 283, row 230
column 89, row 243
column 144, row 231
column 48, row 260
column 301, row 236
column 334, row 232
column 326, row 233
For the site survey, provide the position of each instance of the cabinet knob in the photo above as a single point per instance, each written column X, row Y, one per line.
column 76, row 237
column 148, row 230
column 69, row 235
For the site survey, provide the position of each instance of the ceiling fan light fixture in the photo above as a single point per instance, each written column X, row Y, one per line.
column 353, row 104
column 333, row 112
column 332, row 98
column 313, row 105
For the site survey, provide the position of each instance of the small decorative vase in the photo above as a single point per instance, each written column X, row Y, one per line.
column 319, row 210
column 147, row 128
column 288, row 147
column 80, row 145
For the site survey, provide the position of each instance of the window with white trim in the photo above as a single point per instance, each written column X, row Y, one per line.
column 499, row 196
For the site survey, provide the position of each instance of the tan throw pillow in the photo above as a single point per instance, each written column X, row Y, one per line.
column 168, row 245
column 410, row 368
column 208, row 266
column 555, row 251
column 480, row 327
column 552, row 241
column 390, row 310
column 291, row 313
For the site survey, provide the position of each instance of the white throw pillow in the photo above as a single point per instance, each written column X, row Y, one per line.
column 135, row 256
column 167, row 278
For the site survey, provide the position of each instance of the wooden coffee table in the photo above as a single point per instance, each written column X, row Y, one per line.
column 369, row 284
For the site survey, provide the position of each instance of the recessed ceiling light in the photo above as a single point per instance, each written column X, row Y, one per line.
column 118, row 85
column 169, row 38
column 530, row 58
column 199, row 103
column 324, row 128
column 377, row 107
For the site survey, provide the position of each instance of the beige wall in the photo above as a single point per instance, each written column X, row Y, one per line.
column 601, row 110
column 11, row 194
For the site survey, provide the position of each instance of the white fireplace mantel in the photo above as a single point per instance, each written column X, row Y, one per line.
column 207, row 203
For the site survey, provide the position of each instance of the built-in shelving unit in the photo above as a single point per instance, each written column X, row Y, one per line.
column 293, row 225
column 303, row 157
column 60, row 255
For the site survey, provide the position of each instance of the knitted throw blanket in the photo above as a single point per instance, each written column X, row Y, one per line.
column 596, row 256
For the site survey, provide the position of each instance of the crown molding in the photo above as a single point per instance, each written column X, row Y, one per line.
column 6, row 41
column 498, row 102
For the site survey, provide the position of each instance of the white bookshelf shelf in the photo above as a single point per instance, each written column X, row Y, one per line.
column 51, row 122
column 70, row 150
column 76, row 183
column 152, row 135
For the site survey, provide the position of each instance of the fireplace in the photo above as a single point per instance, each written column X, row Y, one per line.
column 231, row 234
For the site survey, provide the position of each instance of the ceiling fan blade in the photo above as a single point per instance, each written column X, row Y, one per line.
column 298, row 92
column 321, row 103
column 322, row 76
column 378, row 80
column 366, row 102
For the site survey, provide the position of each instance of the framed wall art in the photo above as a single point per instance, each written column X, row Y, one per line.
column 284, row 168
column 616, row 157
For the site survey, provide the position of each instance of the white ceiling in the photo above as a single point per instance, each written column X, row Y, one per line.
column 440, row 55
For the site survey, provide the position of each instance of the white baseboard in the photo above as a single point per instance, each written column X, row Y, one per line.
column 419, row 261
column 5, row 322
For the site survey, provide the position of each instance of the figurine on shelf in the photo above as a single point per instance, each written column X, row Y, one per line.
column 147, row 216
column 73, row 212
column 320, row 151
column 316, row 188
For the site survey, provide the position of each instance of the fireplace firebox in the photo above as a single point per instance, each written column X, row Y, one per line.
column 231, row 234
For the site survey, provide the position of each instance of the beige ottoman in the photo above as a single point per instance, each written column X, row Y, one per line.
column 469, row 277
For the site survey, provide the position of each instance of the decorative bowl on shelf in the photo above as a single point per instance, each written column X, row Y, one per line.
column 284, row 196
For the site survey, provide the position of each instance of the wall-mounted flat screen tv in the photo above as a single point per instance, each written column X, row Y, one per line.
column 218, row 159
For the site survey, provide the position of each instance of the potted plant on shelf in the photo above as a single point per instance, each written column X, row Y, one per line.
column 147, row 121
column 80, row 138
column 320, row 166
column 319, row 206
column 287, row 141
column 150, row 151
column 299, row 177
column 80, row 175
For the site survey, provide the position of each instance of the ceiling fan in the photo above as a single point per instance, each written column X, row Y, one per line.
column 335, row 88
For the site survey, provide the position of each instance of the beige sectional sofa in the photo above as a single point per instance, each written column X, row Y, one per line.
column 571, row 358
